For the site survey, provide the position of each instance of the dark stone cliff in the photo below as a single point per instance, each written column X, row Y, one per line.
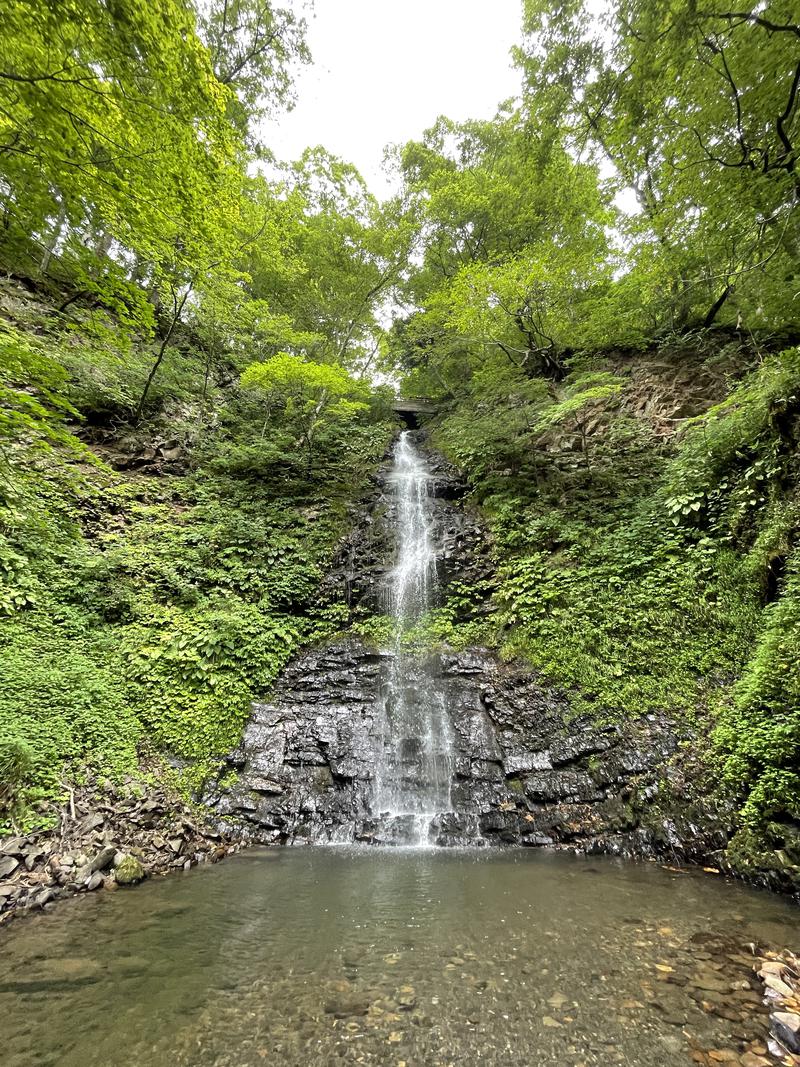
column 527, row 771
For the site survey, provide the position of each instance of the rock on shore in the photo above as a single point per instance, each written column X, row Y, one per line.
column 107, row 837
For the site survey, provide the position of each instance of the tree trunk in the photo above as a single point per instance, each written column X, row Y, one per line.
column 716, row 307
column 51, row 247
column 177, row 312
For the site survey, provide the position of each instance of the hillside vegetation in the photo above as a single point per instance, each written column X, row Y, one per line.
column 599, row 287
column 183, row 422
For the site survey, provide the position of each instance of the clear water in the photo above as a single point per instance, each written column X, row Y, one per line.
column 327, row 956
column 415, row 760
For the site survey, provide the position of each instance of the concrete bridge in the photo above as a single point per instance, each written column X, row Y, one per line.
column 411, row 407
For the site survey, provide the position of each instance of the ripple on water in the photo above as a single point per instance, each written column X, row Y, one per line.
column 337, row 955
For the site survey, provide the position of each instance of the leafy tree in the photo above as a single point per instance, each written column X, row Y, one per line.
column 513, row 246
column 306, row 397
column 253, row 45
column 113, row 130
column 675, row 98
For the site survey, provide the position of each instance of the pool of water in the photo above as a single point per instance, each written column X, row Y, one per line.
column 328, row 956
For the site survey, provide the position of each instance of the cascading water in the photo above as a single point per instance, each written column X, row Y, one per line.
column 415, row 759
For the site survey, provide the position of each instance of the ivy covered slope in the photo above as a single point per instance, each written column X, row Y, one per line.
column 184, row 417
column 649, row 571
column 606, row 306
column 156, row 578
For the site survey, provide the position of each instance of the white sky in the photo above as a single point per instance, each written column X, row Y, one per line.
column 383, row 70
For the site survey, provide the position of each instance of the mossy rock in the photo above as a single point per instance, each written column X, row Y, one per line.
column 129, row 871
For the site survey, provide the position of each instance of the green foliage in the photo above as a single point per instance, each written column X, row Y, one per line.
column 306, row 392
column 736, row 460
column 640, row 584
column 760, row 732
column 116, row 129
column 107, row 376
column 326, row 257
column 378, row 630
column 164, row 626
column 149, row 612
column 494, row 427
column 515, row 252
column 33, row 405
column 253, row 45
column 584, row 393
column 240, row 316
column 626, row 618
column 438, row 628
column 160, row 608
column 191, row 674
column 60, row 700
column 586, row 398
column 738, row 471
column 672, row 97
column 16, row 764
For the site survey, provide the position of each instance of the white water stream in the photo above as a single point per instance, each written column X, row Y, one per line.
column 415, row 758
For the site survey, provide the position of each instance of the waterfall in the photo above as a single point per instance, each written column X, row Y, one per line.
column 415, row 760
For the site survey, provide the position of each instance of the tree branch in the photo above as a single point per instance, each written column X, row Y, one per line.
column 784, row 118
column 35, row 80
column 741, row 17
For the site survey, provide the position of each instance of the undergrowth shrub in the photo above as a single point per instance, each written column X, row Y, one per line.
column 627, row 619
column 16, row 764
column 141, row 612
column 190, row 675
column 60, row 698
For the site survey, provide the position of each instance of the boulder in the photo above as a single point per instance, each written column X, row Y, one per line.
column 12, row 846
column 7, row 866
column 129, row 870
column 103, row 859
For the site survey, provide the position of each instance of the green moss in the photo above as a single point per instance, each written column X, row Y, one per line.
column 129, row 871
column 60, row 697
column 618, row 816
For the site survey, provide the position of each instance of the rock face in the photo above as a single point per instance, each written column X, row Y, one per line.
column 366, row 553
column 525, row 772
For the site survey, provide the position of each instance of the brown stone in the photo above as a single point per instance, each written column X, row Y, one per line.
column 771, row 967
column 777, row 986
column 710, row 983
column 725, row 1012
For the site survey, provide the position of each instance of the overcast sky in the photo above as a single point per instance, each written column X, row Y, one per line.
column 384, row 69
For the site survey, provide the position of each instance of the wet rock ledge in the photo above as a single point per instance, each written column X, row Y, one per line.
column 108, row 837
column 527, row 772
column 365, row 555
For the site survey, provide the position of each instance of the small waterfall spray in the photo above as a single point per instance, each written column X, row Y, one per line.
column 415, row 758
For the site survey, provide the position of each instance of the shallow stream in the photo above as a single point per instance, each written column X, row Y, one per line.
column 340, row 955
